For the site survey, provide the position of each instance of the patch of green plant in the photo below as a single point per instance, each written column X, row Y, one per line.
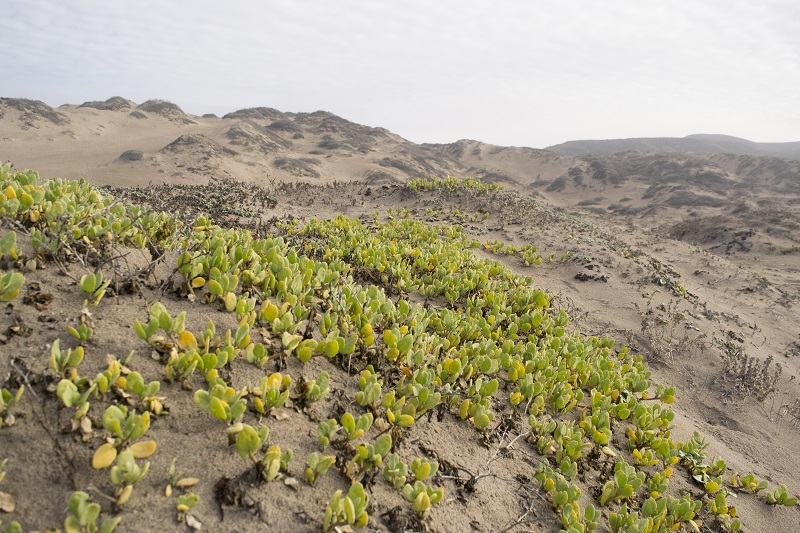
column 7, row 401
column 451, row 184
column 327, row 430
column 271, row 392
column 724, row 514
column 369, row 456
column 65, row 362
column 749, row 483
column 321, row 289
column 83, row 332
column 350, row 509
column 256, row 354
column 318, row 465
column 133, row 387
column 222, row 401
column 397, row 412
column 176, row 479
column 8, row 243
column 94, row 287
column 780, row 495
column 562, row 493
column 125, row 474
column 84, row 515
column 10, row 285
column 274, row 462
column 248, row 439
column 184, row 503
column 624, row 485
column 422, row 496
column 370, row 385
column 395, row 471
column 13, row 527
column 355, row 427
column 10, row 282
column 658, row 482
column 316, row 389
column 71, row 396
column 124, row 426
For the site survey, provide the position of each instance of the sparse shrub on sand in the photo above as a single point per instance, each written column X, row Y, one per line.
column 131, row 155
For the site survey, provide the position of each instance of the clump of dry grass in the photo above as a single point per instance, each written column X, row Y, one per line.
column 748, row 376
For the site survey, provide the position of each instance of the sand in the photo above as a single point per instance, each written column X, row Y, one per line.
column 619, row 235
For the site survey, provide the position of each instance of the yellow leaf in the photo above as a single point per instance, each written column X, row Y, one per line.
column 104, row 456
column 143, row 450
column 230, row 301
column 125, row 495
column 187, row 341
column 198, row 282
column 187, row 482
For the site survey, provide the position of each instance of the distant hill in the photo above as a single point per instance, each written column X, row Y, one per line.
column 119, row 142
column 699, row 143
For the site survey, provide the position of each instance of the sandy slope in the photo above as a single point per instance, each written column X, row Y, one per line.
column 740, row 271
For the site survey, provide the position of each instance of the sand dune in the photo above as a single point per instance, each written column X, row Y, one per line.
column 679, row 255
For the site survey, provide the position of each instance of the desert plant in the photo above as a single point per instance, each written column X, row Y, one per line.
column 355, row 427
column 624, row 485
column 176, row 479
column 369, row 456
column 125, row 474
column 248, row 439
column 271, row 392
column 318, row 465
column 124, row 426
column 327, row 430
column 274, row 462
column 7, row 502
column 7, row 401
column 93, row 286
column 10, row 284
column 64, row 362
column 350, row 509
column 222, row 401
column 748, row 483
column 369, row 384
column 71, row 396
column 422, row 496
column 780, row 495
column 395, row 471
column 133, row 385
column 84, row 514
column 749, row 377
column 667, row 337
column 316, row 389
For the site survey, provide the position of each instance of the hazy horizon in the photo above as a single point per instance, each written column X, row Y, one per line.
column 515, row 73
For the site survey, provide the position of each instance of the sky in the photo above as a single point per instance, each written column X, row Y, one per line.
column 510, row 72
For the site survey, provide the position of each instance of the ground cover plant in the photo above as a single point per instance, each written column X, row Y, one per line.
column 361, row 331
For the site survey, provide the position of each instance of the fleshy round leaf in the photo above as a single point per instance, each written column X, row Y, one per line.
column 144, row 449
column 104, row 456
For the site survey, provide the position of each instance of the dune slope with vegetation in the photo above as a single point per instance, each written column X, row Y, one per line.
column 394, row 370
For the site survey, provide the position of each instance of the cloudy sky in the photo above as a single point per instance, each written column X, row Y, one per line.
column 510, row 72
